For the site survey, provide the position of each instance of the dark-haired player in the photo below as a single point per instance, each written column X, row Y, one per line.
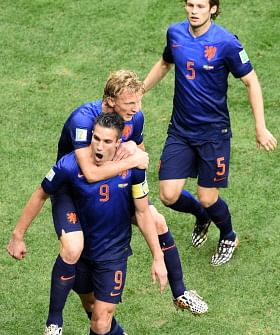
column 199, row 132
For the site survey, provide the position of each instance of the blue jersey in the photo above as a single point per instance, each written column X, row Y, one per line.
column 202, row 67
column 103, row 208
column 77, row 130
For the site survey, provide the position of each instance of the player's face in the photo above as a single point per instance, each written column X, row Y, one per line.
column 104, row 144
column 199, row 14
column 126, row 104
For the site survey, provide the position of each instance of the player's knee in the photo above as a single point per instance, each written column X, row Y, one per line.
column 101, row 324
column 168, row 197
column 161, row 225
column 207, row 200
column 71, row 246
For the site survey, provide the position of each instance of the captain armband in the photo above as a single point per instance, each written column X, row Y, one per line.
column 140, row 190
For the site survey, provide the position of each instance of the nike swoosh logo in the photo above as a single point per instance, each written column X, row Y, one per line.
column 219, row 179
column 114, row 294
column 63, row 278
column 80, row 175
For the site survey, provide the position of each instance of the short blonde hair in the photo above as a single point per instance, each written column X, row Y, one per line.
column 120, row 80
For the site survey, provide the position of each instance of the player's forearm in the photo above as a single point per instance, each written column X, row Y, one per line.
column 29, row 212
column 157, row 73
column 109, row 169
column 255, row 98
column 147, row 227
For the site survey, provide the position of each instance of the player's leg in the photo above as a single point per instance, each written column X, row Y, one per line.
column 182, row 298
column 212, row 176
column 107, row 281
column 178, row 162
column 63, row 274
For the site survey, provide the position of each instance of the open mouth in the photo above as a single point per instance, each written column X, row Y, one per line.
column 99, row 156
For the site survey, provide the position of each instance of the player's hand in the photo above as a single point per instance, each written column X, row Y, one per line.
column 16, row 248
column 124, row 150
column 141, row 159
column 159, row 273
column 265, row 140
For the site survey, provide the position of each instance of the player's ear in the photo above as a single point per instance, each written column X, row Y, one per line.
column 213, row 9
column 110, row 102
column 118, row 143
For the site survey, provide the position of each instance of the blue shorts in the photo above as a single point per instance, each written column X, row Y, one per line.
column 64, row 213
column 105, row 279
column 208, row 161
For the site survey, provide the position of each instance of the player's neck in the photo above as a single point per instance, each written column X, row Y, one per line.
column 197, row 31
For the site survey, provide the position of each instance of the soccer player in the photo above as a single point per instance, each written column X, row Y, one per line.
column 122, row 93
column 104, row 210
column 199, row 130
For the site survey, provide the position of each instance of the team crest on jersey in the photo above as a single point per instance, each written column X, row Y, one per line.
column 210, row 52
column 127, row 131
column 124, row 174
column 81, row 135
column 72, row 217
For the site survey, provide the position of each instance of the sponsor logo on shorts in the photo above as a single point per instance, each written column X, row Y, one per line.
column 112, row 294
column 63, row 278
column 219, row 179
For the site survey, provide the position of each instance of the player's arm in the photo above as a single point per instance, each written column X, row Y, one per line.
column 156, row 74
column 147, row 227
column 110, row 169
column 16, row 247
column 264, row 138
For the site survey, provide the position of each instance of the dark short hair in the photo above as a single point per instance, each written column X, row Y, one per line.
column 110, row 120
column 215, row 3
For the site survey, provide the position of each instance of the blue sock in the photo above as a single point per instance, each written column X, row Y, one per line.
column 172, row 263
column 63, row 277
column 116, row 329
column 187, row 203
column 220, row 215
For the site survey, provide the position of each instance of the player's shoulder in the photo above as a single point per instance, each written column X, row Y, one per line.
column 88, row 109
column 138, row 117
column 222, row 34
column 175, row 26
column 68, row 162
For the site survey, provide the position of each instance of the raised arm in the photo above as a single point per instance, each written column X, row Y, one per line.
column 156, row 74
column 110, row 169
column 147, row 227
column 16, row 247
column 264, row 138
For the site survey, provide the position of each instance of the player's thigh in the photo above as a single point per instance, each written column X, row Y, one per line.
column 213, row 165
column 178, row 159
column 64, row 212
column 83, row 281
column 108, row 280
